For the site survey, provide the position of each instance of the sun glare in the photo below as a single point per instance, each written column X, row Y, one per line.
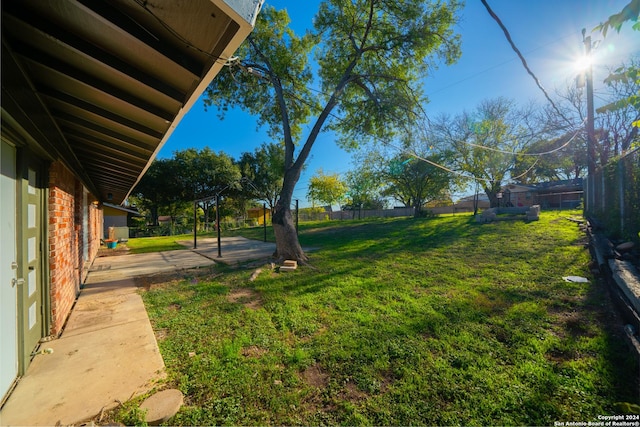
column 582, row 63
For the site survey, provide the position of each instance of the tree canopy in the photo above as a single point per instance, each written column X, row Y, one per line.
column 264, row 169
column 326, row 189
column 486, row 141
column 371, row 57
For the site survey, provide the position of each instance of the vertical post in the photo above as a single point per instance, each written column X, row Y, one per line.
column 264, row 220
column 621, row 174
column 591, row 143
column 195, row 221
column 218, row 224
column 297, row 217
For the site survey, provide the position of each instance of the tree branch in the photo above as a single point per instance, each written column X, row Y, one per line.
column 277, row 86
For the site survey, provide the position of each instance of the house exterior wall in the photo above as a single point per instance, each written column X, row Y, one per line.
column 521, row 199
column 259, row 215
column 563, row 200
column 68, row 267
column 113, row 218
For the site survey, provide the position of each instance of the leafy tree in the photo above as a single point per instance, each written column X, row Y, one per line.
column 364, row 190
column 631, row 12
column 370, row 56
column 415, row 182
column 204, row 174
column 326, row 189
column 264, row 170
column 566, row 159
column 170, row 186
column 486, row 142
column 623, row 110
column 159, row 192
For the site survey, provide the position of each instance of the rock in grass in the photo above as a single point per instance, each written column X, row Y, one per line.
column 162, row 406
column 624, row 247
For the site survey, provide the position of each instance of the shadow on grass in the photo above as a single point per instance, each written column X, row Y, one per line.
column 437, row 322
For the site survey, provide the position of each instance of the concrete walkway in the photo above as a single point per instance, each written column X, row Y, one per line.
column 108, row 351
column 232, row 249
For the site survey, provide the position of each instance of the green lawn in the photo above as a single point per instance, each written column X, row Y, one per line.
column 141, row 245
column 396, row 322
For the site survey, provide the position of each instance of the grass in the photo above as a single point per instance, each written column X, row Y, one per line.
column 141, row 245
column 400, row 321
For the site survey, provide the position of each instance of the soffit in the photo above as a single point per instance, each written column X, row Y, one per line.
column 110, row 79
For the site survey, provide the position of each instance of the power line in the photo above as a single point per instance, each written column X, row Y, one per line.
column 435, row 164
column 576, row 133
column 524, row 61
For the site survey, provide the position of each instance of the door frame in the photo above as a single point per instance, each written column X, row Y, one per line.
column 26, row 160
column 11, row 358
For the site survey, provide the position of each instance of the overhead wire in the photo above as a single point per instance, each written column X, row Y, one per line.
column 544, row 153
column 522, row 59
column 574, row 136
column 187, row 43
column 526, row 66
column 440, row 166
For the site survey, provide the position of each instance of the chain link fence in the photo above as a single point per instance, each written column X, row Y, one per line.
column 612, row 197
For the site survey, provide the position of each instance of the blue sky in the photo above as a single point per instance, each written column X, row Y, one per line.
column 547, row 32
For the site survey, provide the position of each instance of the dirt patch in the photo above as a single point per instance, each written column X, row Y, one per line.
column 352, row 393
column 575, row 324
column 120, row 249
column 165, row 280
column 161, row 334
column 315, row 376
column 247, row 297
column 254, row 352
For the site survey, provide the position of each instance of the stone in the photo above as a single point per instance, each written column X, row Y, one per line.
column 289, row 265
column 162, row 406
column 624, row 247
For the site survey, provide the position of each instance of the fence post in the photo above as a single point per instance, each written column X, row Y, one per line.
column 195, row 223
column 264, row 220
column 621, row 173
column 218, row 224
column 603, row 192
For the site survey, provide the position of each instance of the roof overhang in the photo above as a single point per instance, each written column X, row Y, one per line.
column 102, row 84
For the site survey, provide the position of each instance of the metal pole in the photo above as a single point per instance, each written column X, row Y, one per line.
column 218, row 224
column 297, row 217
column 264, row 220
column 591, row 143
column 195, row 219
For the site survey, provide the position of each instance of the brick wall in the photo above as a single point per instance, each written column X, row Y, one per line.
column 67, row 265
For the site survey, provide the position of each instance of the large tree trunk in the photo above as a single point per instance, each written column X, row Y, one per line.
column 287, row 243
column 492, row 193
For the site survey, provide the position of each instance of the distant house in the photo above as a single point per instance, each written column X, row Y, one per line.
column 468, row 202
column 564, row 194
column 118, row 217
column 259, row 214
column 551, row 194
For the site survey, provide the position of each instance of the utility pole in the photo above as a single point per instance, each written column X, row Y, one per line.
column 591, row 138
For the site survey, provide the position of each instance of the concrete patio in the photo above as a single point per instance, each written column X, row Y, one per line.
column 108, row 352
